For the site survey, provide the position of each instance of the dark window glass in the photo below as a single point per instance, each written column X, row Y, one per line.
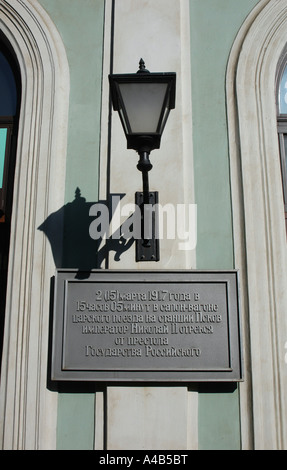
column 10, row 91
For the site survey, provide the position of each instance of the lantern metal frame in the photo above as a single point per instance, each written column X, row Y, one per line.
column 147, row 249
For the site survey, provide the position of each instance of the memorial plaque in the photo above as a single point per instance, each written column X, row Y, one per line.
column 170, row 326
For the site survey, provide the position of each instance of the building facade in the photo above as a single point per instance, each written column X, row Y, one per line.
column 223, row 150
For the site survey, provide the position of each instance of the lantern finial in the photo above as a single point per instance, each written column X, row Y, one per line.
column 142, row 68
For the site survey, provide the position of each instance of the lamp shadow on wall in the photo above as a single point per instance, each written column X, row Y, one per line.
column 72, row 246
column 67, row 231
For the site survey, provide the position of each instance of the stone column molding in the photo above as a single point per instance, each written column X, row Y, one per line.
column 259, row 225
column 27, row 408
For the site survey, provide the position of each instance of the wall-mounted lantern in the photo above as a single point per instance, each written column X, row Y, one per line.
column 144, row 100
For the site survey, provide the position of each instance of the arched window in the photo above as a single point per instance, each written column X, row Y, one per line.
column 281, row 99
column 260, row 247
column 10, row 89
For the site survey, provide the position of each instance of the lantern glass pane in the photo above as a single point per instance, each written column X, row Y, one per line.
column 143, row 104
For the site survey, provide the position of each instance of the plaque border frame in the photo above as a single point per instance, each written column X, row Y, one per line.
column 234, row 374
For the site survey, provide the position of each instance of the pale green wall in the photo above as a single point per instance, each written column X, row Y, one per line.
column 80, row 24
column 214, row 25
column 75, row 430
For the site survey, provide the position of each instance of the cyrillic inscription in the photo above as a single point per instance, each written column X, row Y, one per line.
column 160, row 324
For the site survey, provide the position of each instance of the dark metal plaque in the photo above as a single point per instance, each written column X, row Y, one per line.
column 174, row 326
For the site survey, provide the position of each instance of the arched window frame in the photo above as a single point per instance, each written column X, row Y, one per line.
column 27, row 409
column 260, row 248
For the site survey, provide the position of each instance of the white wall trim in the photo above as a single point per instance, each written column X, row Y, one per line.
column 259, row 225
column 28, row 409
column 164, row 48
